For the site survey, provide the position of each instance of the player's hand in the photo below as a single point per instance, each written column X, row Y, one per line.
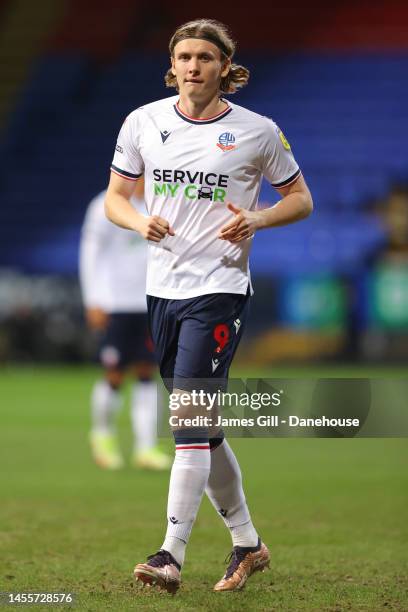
column 154, row 228
column 243, row 225
column 96, row 318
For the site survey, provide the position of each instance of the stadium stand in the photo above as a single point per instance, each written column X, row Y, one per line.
column 344, row 113
column 20, row 43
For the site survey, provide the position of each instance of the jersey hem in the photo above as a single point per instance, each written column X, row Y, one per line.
column 128, row 311
column 118, row 309
column 171, row 295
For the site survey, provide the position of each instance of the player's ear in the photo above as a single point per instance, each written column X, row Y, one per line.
column 226, row 67
column 173, row 70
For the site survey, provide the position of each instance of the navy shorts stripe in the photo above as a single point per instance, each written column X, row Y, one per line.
column 195, row 435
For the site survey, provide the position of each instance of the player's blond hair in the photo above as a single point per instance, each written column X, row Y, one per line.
column 218, row 34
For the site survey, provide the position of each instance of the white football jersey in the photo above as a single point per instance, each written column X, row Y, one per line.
column 192, row 169
column 112, row 262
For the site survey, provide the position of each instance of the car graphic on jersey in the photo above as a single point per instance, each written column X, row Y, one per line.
column 205, row 192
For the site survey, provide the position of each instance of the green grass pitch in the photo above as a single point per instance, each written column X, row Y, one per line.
column 333, row 512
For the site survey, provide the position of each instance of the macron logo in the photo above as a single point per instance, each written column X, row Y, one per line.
column 215, row 364
column 237, row 324
column 164, row 135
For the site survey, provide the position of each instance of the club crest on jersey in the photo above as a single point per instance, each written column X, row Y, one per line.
column 226, row 141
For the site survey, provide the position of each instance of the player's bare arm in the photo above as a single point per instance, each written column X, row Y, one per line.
column 295, row 205
column 120, row 211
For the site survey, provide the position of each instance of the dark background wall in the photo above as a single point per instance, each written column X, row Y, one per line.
column 333, row 76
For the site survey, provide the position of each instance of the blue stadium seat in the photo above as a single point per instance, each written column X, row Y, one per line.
column 346, row 117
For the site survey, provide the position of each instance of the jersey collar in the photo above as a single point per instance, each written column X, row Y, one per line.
column 213, row 119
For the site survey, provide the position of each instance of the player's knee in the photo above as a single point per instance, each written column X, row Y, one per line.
column 191, row 438
column 115, row 378
column 144, row 371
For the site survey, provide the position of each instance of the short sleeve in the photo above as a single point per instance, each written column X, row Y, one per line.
column 279, row 165
column 127, row 161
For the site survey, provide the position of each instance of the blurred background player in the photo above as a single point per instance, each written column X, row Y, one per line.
column 113, row 276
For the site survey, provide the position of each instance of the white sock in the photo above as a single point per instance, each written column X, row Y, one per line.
column 188, row 479
column 105, row 403
column 224, row 489
column 144, row 414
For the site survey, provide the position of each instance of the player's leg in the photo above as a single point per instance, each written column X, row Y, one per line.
column 202, row 353
column 145, row 415
column 144, row 404
column 162, row 568
column 206, row 344
column 188, row 479
column 106, row 399
column 189, row 475
column 106, row 402
column 200, row 357
column 144, row 395
column 225, row 491
column 224, row 485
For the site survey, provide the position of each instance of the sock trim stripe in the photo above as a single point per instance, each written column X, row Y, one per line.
column 193, row 446
column 188, row 441
column 191, row 440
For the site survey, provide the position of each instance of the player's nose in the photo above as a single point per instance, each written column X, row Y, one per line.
column 194, row 67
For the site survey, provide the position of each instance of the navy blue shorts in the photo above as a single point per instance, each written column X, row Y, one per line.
column 196, row 338
column 126, row 340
